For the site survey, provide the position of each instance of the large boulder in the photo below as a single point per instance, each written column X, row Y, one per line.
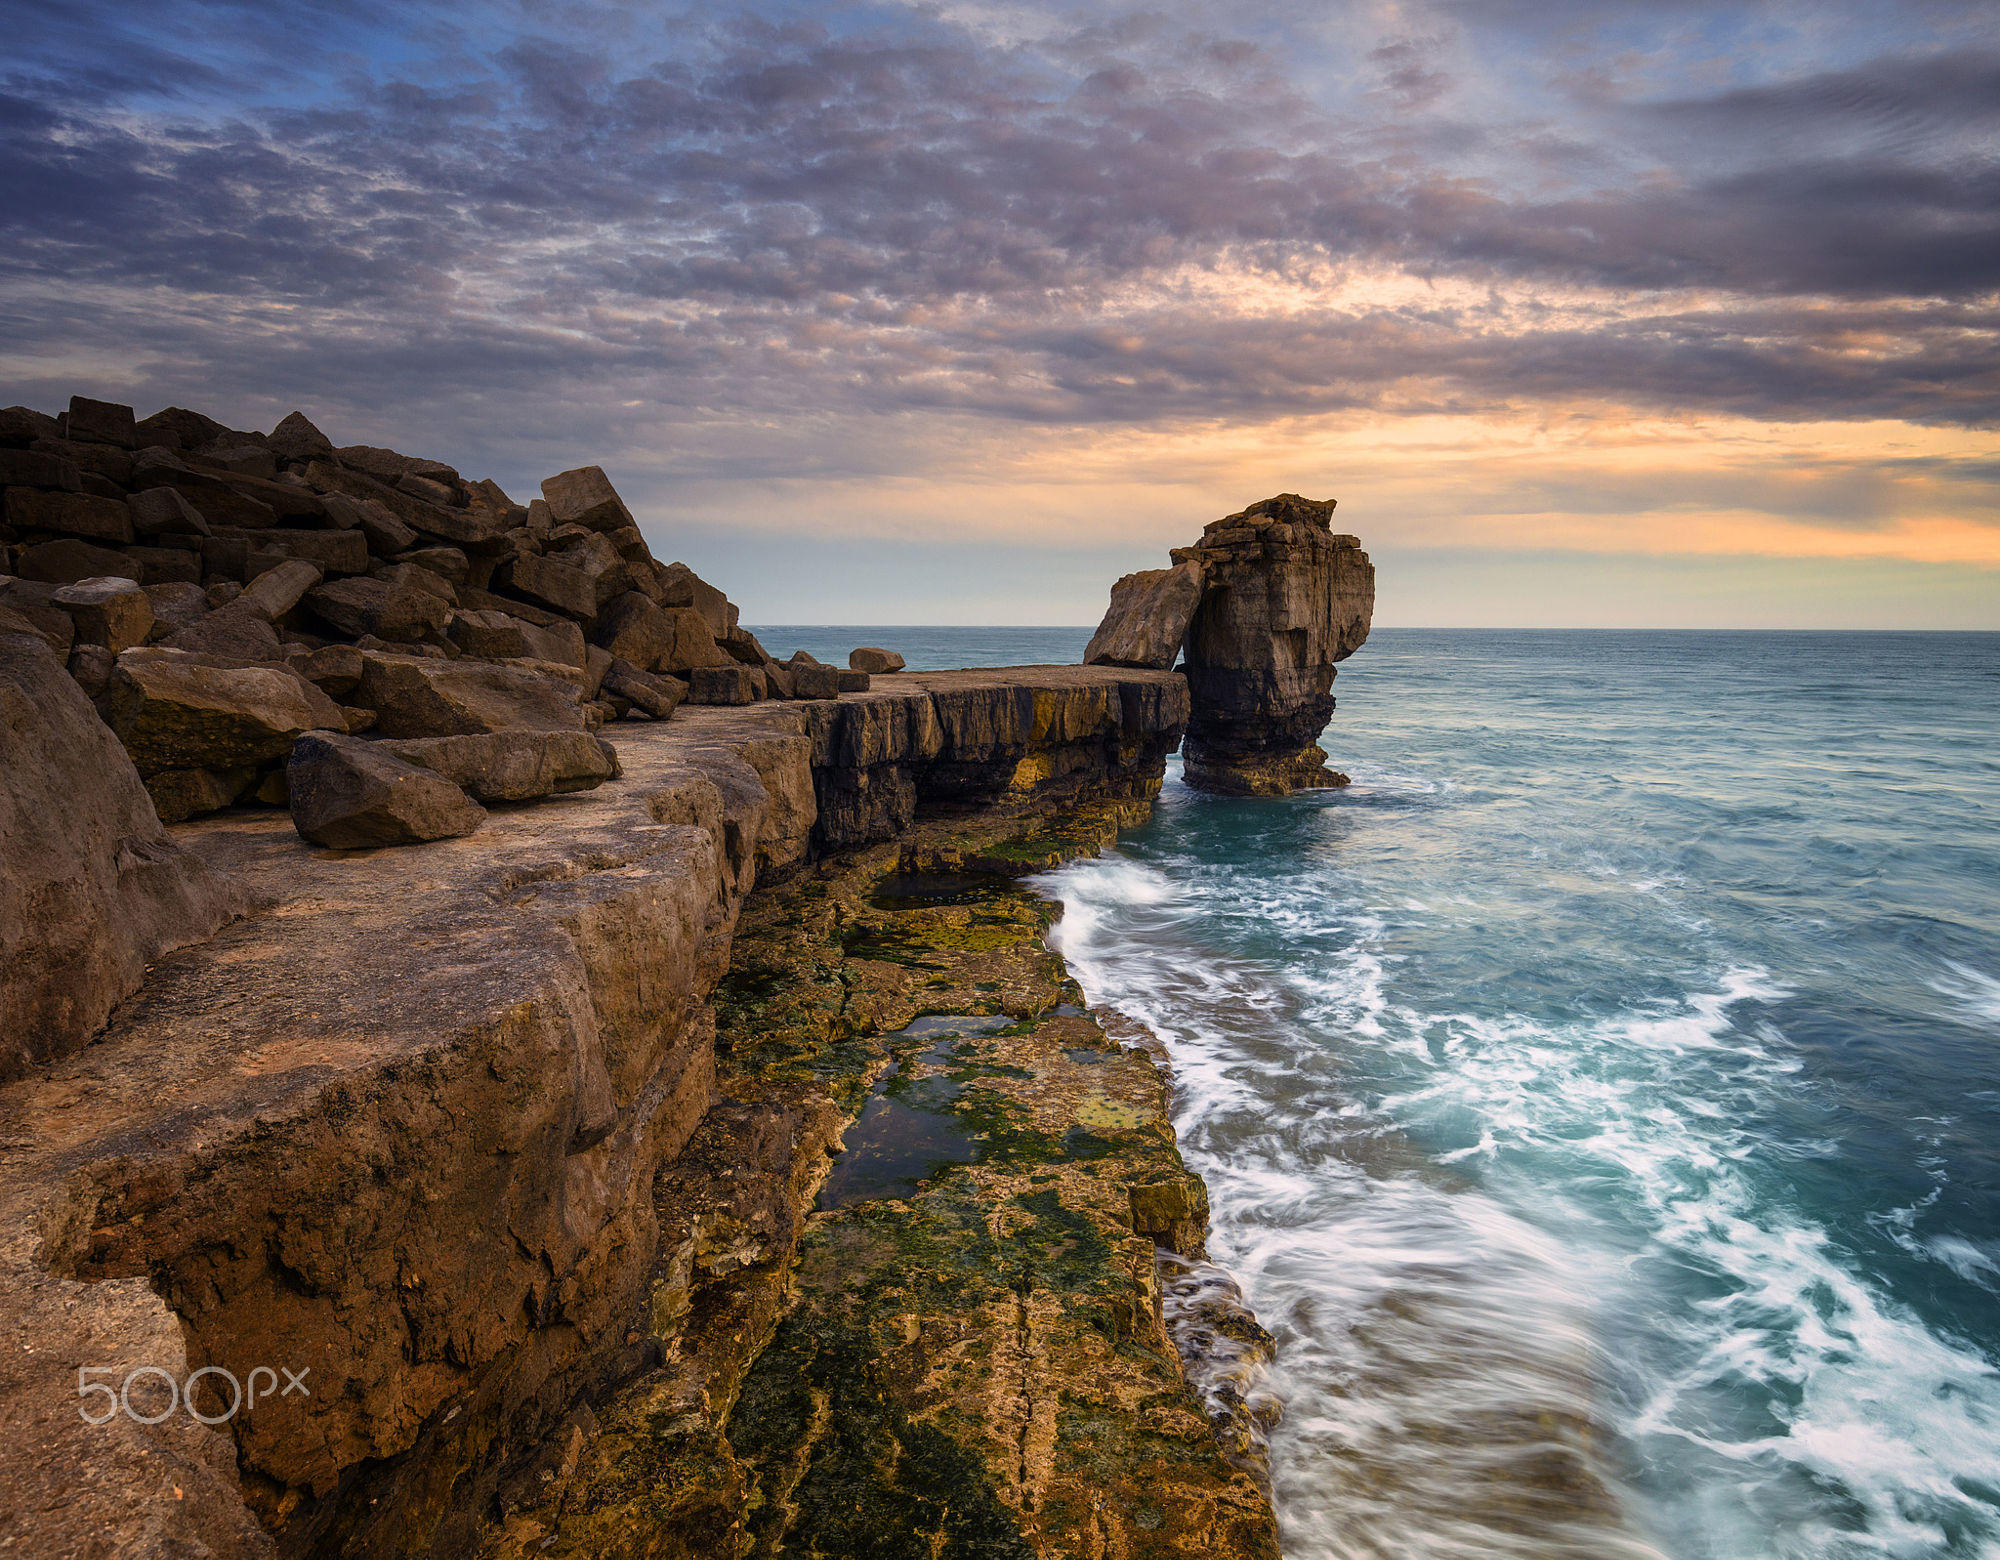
column 110, row 610
column 353, row 794
column 680, row 586
column 241, row 633
column 1148, row 618
column 633, row 627
column 413, row 696
column 730, row 684
column 296, row 439
column 693, row 645
column 513, row 766
column 874, row 660
column 551, row 581
column 586, row 497
column 388, row 609
column 178, row 713
column 91, row 888
column 1283, row 599
column 85, row 515
column 495, row 635
column 658, row 695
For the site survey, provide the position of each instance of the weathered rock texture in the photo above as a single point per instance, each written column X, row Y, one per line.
column 91, row 888
column 440, row 1128
column 283, row 545
column 1281, row 599
column 1148, row 618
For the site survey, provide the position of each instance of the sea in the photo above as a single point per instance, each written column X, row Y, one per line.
column 1600, row 1096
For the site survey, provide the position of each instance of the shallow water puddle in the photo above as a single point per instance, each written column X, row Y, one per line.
column 907, row 1131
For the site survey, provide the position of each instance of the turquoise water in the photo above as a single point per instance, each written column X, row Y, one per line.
column 1600, row 1098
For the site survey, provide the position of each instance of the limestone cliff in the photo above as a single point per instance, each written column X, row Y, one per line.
column 447, row 1130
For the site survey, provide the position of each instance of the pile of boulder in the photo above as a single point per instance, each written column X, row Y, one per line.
column 242, row 607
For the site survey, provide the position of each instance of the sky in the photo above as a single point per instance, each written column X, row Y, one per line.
column 1650, row 313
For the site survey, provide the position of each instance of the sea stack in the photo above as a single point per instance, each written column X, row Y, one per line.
column 1261, row 608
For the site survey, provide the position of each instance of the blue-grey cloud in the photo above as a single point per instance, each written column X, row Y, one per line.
column 770, row 214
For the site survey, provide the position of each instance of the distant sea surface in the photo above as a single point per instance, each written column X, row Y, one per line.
column 1600, row 1098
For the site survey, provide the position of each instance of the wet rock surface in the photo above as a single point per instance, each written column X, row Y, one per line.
column 948, row 1336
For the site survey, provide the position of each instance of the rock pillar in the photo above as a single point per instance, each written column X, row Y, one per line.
column 1282, row 598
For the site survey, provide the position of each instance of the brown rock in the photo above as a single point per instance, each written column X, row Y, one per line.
column 692, row 644
column 552, row 582
column 176, row 605
column 447, row 563
column 514, row 766
column 874, row 661
column 334, row 669
column 67, row 560
column 30, row 608
column 388, row 610
column 1283, row 599
column 659, row 696
column 176, row 711
column 586, row 497
column 72, row 514
column 163, row 565
column 417, row 578
column 181, row 794
column 100, row 422
column 498, row 636
column 20, row 426
column 165, row 509
column 462, row 526
column 813, row 681
column 632, row 627
column 110, row 611
column 91, row 888
column 296, row 439
column 333, row 552
column 38, row 469
column 234, row 632
column 275, row 591
column 414, row 696
column 680, row 586
column 352, row 794
column 244, row 460
column 177, row 428
column 721, row 685
column 853, row 682
column 1148, row 618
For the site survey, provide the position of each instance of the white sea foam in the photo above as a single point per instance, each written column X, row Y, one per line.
column 1615, row 1342
column 1976, row 993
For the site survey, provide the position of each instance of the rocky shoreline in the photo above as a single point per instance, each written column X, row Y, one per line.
column 684, row 1142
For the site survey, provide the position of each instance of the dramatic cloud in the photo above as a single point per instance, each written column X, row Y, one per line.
column 741, row 249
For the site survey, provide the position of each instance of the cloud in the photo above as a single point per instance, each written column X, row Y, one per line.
column 723, row 235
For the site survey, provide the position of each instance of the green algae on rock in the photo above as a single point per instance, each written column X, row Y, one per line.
column 961, row 1349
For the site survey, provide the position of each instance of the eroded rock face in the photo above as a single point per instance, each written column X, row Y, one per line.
column 91, row 889
column 1281, row 598
column 1148, row 618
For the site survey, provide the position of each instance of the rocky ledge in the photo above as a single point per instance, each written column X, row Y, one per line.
column 449, row 1135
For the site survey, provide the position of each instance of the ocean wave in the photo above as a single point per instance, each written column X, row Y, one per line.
column 1535, row 1281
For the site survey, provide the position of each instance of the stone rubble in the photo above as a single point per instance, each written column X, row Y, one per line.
column 279, row 546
